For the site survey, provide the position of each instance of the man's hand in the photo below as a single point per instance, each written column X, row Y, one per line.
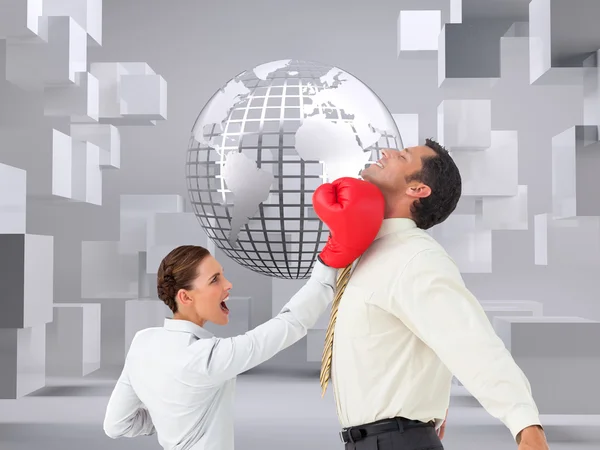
column 532, row 438
column 442, row 429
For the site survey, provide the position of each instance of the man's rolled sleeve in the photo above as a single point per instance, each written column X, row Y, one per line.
column 432, row 300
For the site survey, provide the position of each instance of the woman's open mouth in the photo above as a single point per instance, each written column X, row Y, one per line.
column 224, row 308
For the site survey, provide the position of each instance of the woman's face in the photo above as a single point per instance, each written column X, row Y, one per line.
column 210, row 292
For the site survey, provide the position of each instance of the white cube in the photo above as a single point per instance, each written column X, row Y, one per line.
column 73, row 340
column 87, row 175
column 575, row 240
column 465, row 124
column 28, row 262
column 79, row 101
column 575, row 166
column 144, row 97
column 494, row 171
column 87, row 14
column 106, row 137
column 13, row 200
column 542, row 15
column 559, row 356
column 506, row 213
column 23, row 354
column 418, row 30
column 108, row 75
column 67, row 51
column 135, row 211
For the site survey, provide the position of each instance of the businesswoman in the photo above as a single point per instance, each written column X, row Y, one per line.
column 178, row 380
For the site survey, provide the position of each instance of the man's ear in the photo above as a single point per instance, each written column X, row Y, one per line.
column 418, row 190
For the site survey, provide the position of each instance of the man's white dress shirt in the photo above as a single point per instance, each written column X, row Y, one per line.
column 405, row 324
column 178, row 381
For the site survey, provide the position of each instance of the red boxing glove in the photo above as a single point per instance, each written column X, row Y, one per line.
column 353, row 210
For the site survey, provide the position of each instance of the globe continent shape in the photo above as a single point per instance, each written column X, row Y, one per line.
column 261, row 146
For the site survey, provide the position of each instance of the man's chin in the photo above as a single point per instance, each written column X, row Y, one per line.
column 364, row 174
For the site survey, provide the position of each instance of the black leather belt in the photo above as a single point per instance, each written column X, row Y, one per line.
column 360, row 432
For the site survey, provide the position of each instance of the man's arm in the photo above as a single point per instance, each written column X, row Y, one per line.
column 232, row 356
column 431, row 299
column 125, row 413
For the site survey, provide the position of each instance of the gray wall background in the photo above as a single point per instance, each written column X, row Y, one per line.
column 197, row 46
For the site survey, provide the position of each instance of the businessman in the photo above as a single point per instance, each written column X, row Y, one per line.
column 406, row 323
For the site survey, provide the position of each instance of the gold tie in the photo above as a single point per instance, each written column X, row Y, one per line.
column 340, row 287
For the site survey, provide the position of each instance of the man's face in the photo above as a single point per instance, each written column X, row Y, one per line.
column 391, row 171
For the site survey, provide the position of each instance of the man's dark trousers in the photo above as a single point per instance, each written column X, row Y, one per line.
column 392, row 434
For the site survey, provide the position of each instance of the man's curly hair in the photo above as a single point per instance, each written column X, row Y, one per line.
column 441, row 174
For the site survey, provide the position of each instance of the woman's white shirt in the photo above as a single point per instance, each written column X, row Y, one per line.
column 178, row 380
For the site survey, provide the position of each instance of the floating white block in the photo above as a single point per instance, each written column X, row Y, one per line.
column 469, row 55
column 239, row 318
column 575, row 166
column 106, row 137
column 13, row 200
column 62, row 165
column 559, row 356
column 419, row 30
column 27, row 279
column 574, row 242
column 87, row 13
column 76, row 173
column 506, row 213
column 591, row 90
column 26, row 63
column 110, row 76
column 465, row 124
column 466, row 241
column 494, row 171
column 450, row 10
column 141, row 314
column 166, row 231
column 87, row 175
column 22, row 19
column 135, row 212
column 408, row 126
column 143, row 97
column 554, row 27
column 105, row 273
column 23, row 356
column 79, row 101
column 66, row 51
column 315, row 342
column 514, row 56
column 73, row 340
